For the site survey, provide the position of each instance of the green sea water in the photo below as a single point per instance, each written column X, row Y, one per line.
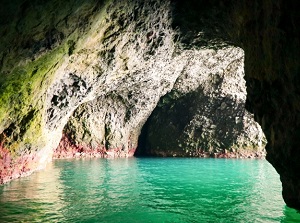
column 148, row 190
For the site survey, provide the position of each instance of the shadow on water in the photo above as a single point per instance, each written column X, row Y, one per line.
column 290, row 215
column 148, row 190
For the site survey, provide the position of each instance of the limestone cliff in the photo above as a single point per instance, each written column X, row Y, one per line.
column 86, row 75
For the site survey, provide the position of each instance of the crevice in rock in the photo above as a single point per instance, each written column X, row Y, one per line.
column 143, row 145
column 58, row 55
column 200, row 125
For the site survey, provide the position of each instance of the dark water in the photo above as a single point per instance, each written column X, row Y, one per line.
column 148, row 190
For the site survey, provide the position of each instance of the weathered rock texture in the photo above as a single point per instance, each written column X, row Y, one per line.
column 37, row 37
column 117, row 59
column 110, row 125
column 204, row 114
column 268, row 31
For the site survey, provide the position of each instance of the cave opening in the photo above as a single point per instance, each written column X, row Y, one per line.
column 143, row 144
column 267, row 31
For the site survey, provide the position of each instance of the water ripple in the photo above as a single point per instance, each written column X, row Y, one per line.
column 148, row 190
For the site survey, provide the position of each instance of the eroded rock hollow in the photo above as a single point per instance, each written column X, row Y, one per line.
column 87, row 77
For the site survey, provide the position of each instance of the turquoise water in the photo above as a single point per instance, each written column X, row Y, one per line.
column 148, row 190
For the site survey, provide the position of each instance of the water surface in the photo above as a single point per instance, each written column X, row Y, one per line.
column 148, row 190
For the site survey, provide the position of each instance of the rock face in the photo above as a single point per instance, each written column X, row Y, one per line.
column 272, row 76
column 204, row 114
column 268, row 31
column 111, row 124
column 88, row 79
column 147, row 63
column 84, row 76
column 36, row 39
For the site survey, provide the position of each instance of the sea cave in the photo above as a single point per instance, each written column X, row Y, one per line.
column 95, row 80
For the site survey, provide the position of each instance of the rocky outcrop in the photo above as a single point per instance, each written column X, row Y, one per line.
column 269, row 34
column 272, row 76
column 110, row 125
column 97, row 71
column 204, row 115
column 61, row 60
column 36, row 37
column 145, row 64
column 131, row 66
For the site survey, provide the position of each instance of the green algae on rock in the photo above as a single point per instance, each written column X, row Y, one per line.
column 122, row 59
column 99, row 89
column 34, row 44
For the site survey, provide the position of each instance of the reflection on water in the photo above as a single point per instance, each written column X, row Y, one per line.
column 35, row 197
column 148, row 190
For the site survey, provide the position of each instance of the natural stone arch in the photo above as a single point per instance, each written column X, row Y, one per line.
column 269, row 34
column 267, row 31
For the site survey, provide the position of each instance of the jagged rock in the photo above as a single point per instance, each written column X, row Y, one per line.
column 57, row 57
column 205, row 111
column 113, row 122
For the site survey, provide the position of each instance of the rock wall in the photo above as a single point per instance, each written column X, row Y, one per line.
column 272, row 76
column 145, row 63
column 36, row 37
column 63, row 59
column 96, row 70
column 268, row 32
column 110, row 125
column 204, row 115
